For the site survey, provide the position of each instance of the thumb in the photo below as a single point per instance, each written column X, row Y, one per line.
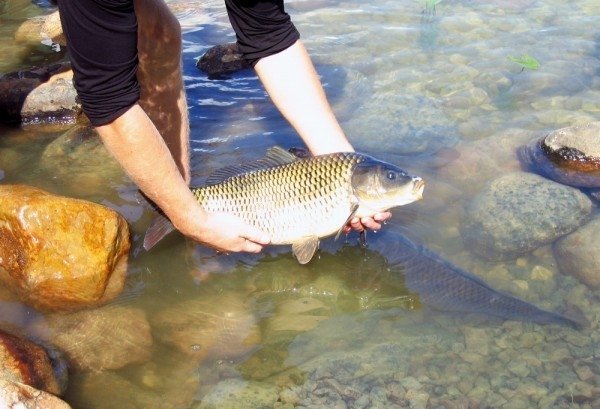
column 256, row 235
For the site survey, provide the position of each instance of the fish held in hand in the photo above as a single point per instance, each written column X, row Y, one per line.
column 299, row 201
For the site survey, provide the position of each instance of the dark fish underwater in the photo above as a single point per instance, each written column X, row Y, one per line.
column 447, row 287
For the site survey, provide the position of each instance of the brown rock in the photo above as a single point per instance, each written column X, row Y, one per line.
column 570, row 156
column 42, row 28
column 222, row 59
column 105, row 338
column 15, row 395
column 58, row 253
column 25, row 362
column 576, row 147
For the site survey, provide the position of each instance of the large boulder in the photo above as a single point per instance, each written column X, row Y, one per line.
column 28, row 363
column 520, row 212
column 58, row 253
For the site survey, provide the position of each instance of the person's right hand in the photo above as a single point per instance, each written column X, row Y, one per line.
column 225, row 232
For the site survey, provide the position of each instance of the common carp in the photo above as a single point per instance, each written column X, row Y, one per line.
column 299, row 201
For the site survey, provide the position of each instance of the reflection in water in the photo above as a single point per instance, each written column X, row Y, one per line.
column 350, row 328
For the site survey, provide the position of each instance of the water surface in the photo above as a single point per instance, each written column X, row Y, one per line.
column 412, row 86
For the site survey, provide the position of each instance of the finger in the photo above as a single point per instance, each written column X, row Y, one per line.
column 369, row 223
column 382, row 217
column 356, row 224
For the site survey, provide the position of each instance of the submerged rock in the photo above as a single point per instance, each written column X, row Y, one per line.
column 519, row 212
column 25, row 362
column 58, row 253
column 578, row 254
column 239, row 394
column 217, row 327
column 570, row 156
column 104, row 338
column 41, row 29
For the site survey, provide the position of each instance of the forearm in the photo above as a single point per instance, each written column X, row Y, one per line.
column 136, row 144
column 294, row 86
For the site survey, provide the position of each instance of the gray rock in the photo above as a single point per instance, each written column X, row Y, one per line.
column 39, row 95
column 519, row 212
column 578, row 254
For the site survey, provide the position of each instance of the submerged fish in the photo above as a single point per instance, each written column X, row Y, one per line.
column 298, row 201
column 447, row 287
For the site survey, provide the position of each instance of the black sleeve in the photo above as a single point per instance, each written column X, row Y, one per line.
column 262, row 28
column 102, row 45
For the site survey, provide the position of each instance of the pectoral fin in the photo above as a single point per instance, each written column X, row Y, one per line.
column 352, row 213
column 159, row 228
column 304, row 249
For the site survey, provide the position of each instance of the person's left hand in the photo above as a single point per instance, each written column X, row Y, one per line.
column 360, row 224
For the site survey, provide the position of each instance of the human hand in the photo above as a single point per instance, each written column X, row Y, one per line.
column 227, row 233
column 361, row 224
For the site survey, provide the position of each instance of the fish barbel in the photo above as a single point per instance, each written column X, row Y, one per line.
column 299, row 201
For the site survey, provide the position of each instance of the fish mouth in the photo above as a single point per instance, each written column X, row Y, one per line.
column 418, row 186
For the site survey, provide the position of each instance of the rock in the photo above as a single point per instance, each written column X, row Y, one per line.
column 16, row 395
column 239, row 394
column 519, row 212
column 570, row 156
column 405, row 125
column 217, row 327
column 23, row 361
column 105, row 338
column 484, row 159
column 58, row 253
column 39, row 95
column 578, row 254
column 41, row 29
column 222, row 59
column 79, row 160
column 578, row 147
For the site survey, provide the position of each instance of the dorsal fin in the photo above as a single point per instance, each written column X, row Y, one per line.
column 275, row 156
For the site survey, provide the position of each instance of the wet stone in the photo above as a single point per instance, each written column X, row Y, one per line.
column 239, row 394
column 502, row 222
column 104, row 338
column 569, row 155
column 578, row 254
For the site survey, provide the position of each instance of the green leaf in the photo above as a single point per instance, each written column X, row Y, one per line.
column 526, row 61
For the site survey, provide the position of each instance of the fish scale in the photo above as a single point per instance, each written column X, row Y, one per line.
column 291, row 201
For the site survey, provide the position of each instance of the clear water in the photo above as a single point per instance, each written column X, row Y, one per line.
column 409, row 85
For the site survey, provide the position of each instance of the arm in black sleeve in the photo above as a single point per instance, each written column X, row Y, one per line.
column 262, row 28
column 102, row 45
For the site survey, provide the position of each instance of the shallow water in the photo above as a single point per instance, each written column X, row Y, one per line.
column 409, row 85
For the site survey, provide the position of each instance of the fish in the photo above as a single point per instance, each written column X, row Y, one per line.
column 300, row 200
column 445, row 286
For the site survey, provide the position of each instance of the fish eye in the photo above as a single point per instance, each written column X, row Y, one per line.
column 391, row 175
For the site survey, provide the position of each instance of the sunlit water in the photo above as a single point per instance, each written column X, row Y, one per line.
column 411, row 85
